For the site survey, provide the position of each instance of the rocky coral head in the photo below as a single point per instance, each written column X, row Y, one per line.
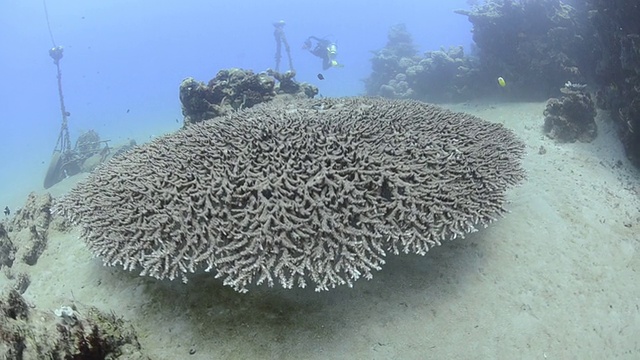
column 315, row 191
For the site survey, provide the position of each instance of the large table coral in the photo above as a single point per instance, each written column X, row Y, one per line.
column 310, row 191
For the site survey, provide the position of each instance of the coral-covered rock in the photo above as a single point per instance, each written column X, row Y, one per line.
column 86, row 333
column 230, row 90
column 23, row 239
column 536, row 45
column 29, row 227
column 629, row 118
column 286, row 84
column 399, row 73
column 617, row 70
column 398, row 54
column 7, row 248
column 571, row 117
column 235, row 89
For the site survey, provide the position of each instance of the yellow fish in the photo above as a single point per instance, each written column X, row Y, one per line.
column 501, row 81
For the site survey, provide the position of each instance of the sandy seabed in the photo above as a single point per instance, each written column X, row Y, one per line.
column 556, row 278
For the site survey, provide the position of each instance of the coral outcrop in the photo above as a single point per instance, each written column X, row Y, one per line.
column 571, row 117
column 535, row 45
column 24, row 238
column 287, row 85
column 617, row 69
column 398, row 72
column 235, row 89
column 315, row 191
column 29, row 228
column 87, row 333
column 7, row 248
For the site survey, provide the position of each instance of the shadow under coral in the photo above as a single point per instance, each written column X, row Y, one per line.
column 216, row 317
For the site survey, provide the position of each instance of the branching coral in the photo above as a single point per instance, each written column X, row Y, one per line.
column 313, row 190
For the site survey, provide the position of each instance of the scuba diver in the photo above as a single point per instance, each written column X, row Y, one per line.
column 324, row 49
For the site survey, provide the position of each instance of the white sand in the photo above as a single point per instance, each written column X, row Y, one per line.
column 557, row 278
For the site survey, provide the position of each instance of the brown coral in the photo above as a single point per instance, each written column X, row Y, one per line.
column 315, row 190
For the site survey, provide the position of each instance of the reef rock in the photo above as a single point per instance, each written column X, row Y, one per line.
column 29, row 227
column 533, row 44
column 617, row 70
column 68, row 333
column 571, row 117
column 398, row 72
column 236, row 89
column 7, row 249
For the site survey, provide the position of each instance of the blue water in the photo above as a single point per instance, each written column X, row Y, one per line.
column 124, row 60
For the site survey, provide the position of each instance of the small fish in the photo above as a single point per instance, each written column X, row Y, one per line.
column 320, row 76
column 501, row 81
column 7, row 212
